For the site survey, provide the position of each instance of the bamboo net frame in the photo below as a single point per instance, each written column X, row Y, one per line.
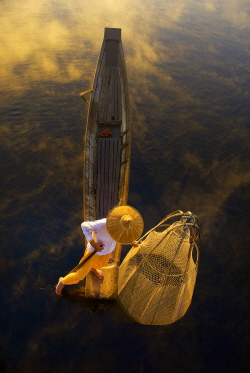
column 157, row 278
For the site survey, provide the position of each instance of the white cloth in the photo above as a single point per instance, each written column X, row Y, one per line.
column 98, row 231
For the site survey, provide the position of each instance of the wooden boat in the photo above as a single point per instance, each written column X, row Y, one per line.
column 107, row 151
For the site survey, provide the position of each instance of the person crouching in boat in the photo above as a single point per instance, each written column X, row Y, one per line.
column 123, row 224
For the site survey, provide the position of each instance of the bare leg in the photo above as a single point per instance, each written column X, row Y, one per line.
column 59, row 286
column 103, row 261
column 98, row 273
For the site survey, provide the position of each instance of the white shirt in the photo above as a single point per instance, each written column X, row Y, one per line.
column 98, row 231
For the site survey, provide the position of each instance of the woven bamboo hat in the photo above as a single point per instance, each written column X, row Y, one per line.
column 124, row 224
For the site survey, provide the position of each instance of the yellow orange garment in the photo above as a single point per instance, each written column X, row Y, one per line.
column 96, row 262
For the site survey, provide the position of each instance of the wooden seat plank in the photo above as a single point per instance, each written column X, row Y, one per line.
column 119, row 102
column 110, row 97
column 109, row 153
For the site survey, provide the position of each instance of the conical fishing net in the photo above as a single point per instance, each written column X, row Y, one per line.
column 157, row 278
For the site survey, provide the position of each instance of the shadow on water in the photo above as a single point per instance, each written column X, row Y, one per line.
column 98, row 306
column 76, row 296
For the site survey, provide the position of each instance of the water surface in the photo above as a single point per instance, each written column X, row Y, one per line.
column 188, row 73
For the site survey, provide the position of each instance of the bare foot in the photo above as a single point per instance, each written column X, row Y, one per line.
column 98, row 273
column 59, row 287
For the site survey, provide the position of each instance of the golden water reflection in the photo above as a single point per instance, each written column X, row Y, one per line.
column 188, row 74
column 180, row 81
column 175, row 71
column 60, row 40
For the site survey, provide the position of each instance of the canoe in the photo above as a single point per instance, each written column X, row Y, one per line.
column 107, row 148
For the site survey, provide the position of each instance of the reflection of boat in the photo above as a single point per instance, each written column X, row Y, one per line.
column 107, row 150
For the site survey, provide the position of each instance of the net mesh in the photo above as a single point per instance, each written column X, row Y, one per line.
column 157, row 279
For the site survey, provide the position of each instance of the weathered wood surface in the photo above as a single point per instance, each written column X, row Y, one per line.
column 107, row 160
column 95, row 288
column 108, row 172
column 110, row 98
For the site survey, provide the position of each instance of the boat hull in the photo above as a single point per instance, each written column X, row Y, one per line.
column 107, row 148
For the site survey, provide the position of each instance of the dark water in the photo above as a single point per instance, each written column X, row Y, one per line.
column 188, row 72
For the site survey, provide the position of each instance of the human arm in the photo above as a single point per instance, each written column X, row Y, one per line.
column 88, row 228
column 134, row 244
column 92, row 226
column 96, row 245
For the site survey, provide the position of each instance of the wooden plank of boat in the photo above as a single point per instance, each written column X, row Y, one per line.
column 107, row 159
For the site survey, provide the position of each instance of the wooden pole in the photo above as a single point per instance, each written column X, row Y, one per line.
column 83, row 262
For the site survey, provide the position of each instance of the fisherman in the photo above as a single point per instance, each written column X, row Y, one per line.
column 123, row 224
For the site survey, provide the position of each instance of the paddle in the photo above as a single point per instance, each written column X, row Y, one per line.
column 75, row 269
column 83, row 262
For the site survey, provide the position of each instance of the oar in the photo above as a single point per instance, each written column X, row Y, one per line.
column 83, row 262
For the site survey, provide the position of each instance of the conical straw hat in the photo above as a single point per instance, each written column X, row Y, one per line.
column 124, row 224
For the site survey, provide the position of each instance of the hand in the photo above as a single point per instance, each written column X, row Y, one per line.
column 135, row 244
column 97, row 246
